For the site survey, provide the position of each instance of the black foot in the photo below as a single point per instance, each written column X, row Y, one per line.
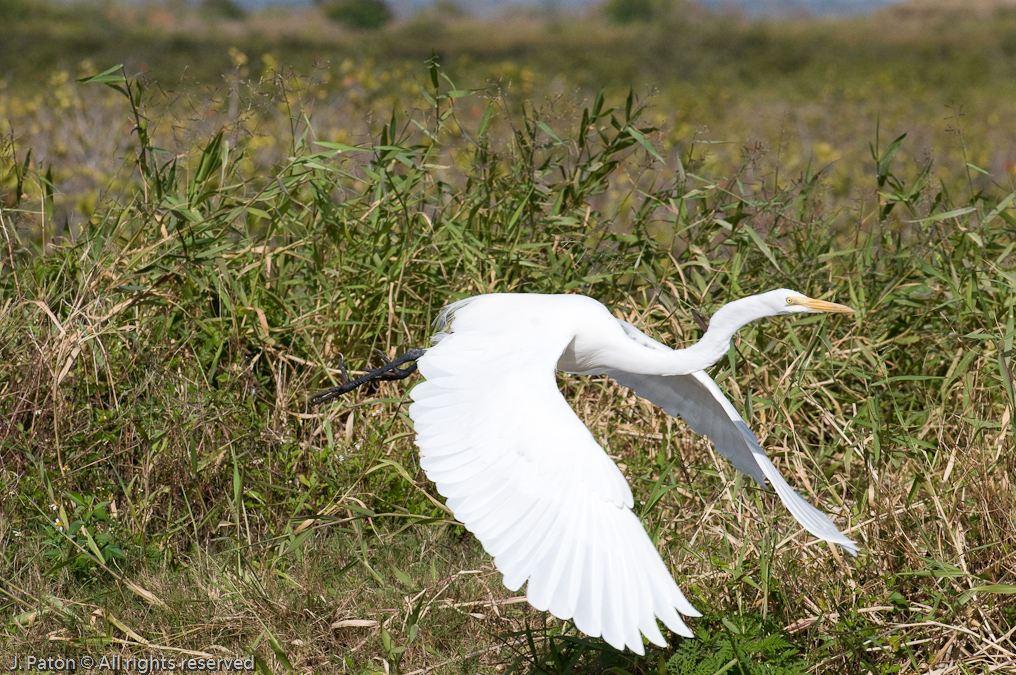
column 389, row 371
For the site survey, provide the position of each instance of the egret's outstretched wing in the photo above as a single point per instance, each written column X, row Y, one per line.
column 534, row 486
column 698, row 401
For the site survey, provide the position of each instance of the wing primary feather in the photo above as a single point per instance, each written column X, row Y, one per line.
column 632, row 597
column 573, row 557
column 641, row 565
column 549, row 560
column 612, row 582
column 807, row 515
column 516, row 563
column 589, row 607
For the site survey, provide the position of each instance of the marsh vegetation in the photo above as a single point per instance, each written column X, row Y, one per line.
column 191, row 241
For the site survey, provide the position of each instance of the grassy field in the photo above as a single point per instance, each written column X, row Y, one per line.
column 192, row 242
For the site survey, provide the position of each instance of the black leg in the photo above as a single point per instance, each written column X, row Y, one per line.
column 342, row 367
column 389, row 371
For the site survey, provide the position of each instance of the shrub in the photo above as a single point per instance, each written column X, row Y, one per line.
column 222, row 9
column 629, row 11
column 15, row 10
column 362, row 14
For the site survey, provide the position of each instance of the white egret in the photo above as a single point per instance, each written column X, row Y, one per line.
column 523, row 473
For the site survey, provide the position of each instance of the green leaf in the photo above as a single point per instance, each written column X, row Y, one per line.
column 341, row 147
column 955, row 213
column 644, row 142
column 761, row 245
column 106, row 76
column 403, row 577
column 279, row 654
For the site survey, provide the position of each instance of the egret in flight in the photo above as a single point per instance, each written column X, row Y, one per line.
column 523, row 473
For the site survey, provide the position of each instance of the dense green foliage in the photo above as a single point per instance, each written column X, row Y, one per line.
column 752, row 647
column 628, row 11
column 358, row 13
column 222, row 9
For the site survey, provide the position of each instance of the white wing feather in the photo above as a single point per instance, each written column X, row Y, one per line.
column 535, row 487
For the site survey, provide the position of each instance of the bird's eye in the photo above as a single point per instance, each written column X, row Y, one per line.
column 791, row 301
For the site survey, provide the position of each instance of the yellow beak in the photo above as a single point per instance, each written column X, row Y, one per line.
column 823, row 306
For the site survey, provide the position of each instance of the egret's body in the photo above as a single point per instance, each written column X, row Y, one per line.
column 524, row 475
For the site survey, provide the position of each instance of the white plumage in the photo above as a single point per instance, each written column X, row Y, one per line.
column 524, row 475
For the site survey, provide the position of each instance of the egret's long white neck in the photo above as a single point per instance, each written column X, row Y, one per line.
column 715, row 343
column 631, row 351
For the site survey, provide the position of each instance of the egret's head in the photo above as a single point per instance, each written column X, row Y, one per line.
column 785, row 301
